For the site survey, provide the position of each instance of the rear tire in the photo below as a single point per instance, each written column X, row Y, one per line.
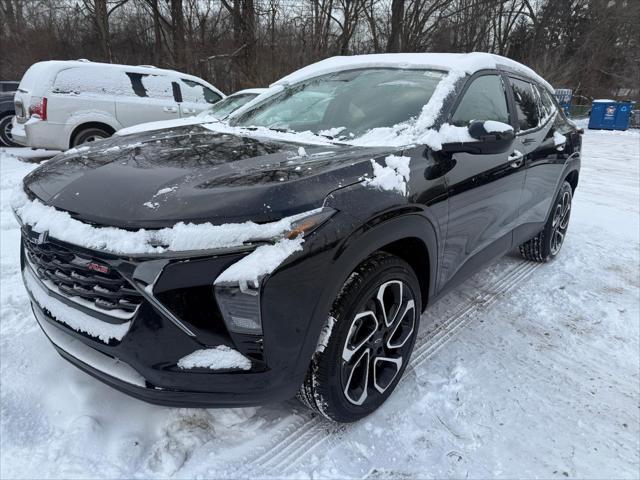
column 367, row 342
column 546, row 245
column 5, row 131
column 91, row 134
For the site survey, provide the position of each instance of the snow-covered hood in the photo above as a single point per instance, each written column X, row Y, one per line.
column 193, row 174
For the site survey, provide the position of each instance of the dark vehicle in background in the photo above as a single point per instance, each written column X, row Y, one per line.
column 357, row 235
column 7, row 111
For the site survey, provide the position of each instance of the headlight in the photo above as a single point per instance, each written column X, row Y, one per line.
column 239, row 300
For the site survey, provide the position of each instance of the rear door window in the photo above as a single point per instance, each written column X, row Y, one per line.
column 151, row 86
column 197, row 93
column 158, row 86
column 526, row 103
column 485, row 99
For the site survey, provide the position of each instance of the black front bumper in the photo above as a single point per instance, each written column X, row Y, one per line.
column 153, row 344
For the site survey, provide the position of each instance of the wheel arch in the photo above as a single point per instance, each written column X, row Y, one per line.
column 572, row 177
column 411, row 237
column 86, row 125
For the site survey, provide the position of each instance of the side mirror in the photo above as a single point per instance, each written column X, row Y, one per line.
column 490, row 137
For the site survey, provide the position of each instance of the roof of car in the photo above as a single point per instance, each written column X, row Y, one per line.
column 466, row 62
column 58, row 65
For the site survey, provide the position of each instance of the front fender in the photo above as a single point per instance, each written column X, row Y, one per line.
column 298, row 296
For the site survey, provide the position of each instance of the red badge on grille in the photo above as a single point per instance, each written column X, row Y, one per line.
column 96, row 267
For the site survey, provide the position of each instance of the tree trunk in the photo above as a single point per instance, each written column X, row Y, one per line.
column 157, row 34
column 101, row 22
column 177, row 23
column 397, row 18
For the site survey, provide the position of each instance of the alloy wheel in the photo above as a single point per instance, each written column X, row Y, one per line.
column 377, row 344
column 560, row 222
column 7, row 131
column 94, row 138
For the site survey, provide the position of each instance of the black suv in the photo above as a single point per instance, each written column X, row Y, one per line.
column 7, row 92
column 293, row 249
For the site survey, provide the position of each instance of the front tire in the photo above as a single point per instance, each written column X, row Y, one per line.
column 6, row 140
column 546, row 245
column 367, row 342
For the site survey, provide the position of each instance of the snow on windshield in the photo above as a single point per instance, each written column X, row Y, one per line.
column 358, row 100
column 297, row 113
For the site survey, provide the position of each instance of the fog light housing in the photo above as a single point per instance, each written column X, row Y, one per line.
column 240, row 307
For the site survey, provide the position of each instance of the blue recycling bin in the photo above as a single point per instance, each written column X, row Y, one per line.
column 609, row 115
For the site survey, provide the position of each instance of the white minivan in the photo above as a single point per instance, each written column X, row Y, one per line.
column 61, row 104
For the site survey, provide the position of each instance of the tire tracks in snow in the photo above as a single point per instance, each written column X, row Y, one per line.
column 293, row 446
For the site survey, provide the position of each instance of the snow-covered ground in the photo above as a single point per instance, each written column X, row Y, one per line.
column 526, row 370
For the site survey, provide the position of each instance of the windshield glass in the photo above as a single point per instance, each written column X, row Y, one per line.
column 227, row 105
column 348, row 103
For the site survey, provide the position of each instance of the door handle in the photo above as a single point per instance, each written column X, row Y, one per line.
column 170, row 109
column 529, row 140
column 516, row 159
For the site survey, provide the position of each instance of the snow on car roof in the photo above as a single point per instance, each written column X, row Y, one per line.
column 466, row 62
column 45, row 71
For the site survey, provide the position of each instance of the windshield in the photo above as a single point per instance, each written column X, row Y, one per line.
column 348, row 103
column 227, row 105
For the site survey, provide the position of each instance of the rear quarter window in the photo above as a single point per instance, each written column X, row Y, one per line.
column 92, row 81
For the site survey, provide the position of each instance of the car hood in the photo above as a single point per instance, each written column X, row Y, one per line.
column 192, row 174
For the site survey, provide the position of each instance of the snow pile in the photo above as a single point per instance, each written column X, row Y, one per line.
column 262, row 261
column 491, row 126
column 331, row 132
column 180, row 237
column 559, row 140
column 73, row 317
column 164, row 191
column 306, row 137
column 446, row 134
column 218, row 358
column 394, row 176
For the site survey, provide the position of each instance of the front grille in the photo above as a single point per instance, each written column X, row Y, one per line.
column 69, row 275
